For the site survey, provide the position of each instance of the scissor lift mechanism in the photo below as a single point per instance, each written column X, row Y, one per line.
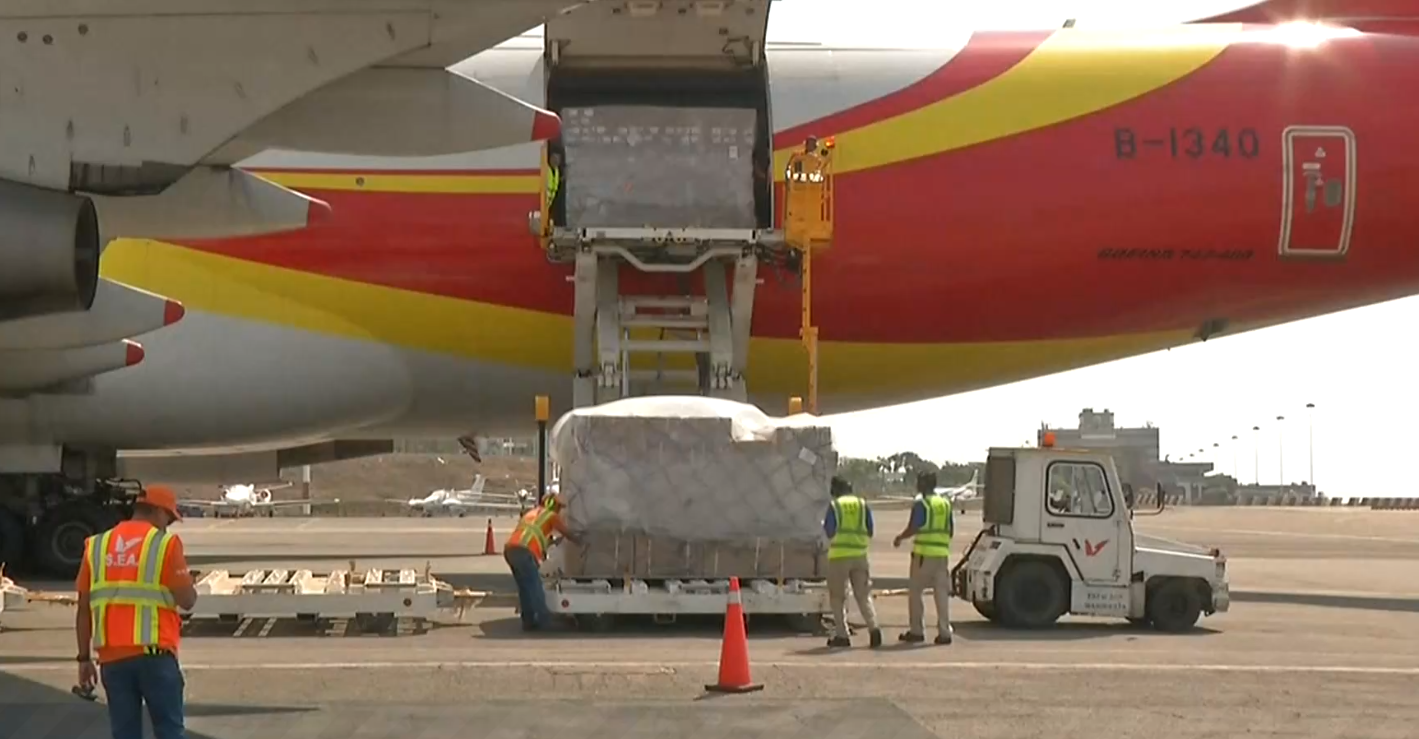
column 713, row 327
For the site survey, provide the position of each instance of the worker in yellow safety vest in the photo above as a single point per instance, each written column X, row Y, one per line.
column 849, row 528
column 554, row 183
column 930, row 527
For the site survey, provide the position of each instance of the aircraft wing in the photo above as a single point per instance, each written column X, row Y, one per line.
column 280, row 503
column 122, row 119
column 199, row 503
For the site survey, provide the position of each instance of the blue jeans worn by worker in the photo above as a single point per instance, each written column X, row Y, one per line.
column 155, row 680
column 531, row 597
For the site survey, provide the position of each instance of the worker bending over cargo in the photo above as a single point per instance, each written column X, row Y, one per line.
column 524, row 552
column 132, row 581
column 930, row 527
column 849, row 529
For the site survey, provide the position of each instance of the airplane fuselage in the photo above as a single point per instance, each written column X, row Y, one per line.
column 1009, row 206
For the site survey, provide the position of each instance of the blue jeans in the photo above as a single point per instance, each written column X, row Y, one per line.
column 130, row 683
column 531, row 597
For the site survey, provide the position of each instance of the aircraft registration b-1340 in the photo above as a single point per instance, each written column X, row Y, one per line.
column 1007, row 205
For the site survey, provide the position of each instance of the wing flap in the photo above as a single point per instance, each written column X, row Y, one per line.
column 403, row 113
column 211, row 202
column 25, row 371
column 119, row 312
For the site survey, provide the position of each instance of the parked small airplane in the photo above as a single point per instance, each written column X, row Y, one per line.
column 968, row 491
column 244, row 500
column 460, row 502
column 958, row 495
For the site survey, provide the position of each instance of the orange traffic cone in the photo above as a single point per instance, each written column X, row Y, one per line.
column 489, row 546
column 734, row 649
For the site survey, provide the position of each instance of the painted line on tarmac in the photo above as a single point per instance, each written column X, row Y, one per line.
column 199, row 533
column 790, row 664
column 1294, row 534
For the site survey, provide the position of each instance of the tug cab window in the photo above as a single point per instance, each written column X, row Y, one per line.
column 1078, row 489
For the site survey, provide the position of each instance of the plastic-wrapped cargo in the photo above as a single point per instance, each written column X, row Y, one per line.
column 664, row 167
column 693, row 487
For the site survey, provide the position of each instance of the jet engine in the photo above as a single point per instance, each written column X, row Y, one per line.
column 49, row 251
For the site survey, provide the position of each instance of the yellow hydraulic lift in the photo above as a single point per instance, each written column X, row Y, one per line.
column 808, row 227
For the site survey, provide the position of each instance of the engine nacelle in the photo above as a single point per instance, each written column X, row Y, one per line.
column 49, row 251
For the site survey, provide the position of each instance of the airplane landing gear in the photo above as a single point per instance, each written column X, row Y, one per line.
column 57, row 547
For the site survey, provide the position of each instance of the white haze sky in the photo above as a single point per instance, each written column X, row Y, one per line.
column 1355, row 366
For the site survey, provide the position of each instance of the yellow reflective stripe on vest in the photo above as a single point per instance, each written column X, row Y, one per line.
column 850, row 539
column 934, row 539
column 554, row 180
column 146, row 595
column 537, row 529
column 98, row 609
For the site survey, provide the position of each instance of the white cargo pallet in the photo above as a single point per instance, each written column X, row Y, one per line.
column 303, row 594
column 684, row 597
column 12, row 597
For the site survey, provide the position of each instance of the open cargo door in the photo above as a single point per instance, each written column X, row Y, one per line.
column 660, row 34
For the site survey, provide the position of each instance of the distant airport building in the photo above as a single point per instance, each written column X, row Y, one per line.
column 1136, row 453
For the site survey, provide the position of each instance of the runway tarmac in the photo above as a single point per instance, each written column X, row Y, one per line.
column 1277, row 665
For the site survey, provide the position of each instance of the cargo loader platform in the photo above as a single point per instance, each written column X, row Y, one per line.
column 595, row 603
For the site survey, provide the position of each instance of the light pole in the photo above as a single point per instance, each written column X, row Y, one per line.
column 1280, row 451
column 1234, row 458
column 1256, row 455
column 1311, row 443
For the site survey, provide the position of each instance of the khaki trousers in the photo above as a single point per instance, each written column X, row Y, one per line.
column 934, row 573
column 840, row 573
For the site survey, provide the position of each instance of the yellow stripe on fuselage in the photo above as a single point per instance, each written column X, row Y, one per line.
column 1071, row 74
column 427, row 183
column 498, row 334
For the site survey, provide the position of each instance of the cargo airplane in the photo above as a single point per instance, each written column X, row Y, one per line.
column 1007, row 205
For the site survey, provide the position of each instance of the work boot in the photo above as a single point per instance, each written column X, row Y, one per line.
column 876, row 636
column 910, row 638
column 839, row 642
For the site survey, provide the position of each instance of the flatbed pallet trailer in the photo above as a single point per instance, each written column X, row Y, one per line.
column 373, row 600
column 595, row 604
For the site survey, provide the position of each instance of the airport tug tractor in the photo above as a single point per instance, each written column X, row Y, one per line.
column 1057, row 537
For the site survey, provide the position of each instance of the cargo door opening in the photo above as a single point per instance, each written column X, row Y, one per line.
column 669, row 149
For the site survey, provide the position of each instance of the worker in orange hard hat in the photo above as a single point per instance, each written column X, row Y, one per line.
column 524, row 552
column 132, row 582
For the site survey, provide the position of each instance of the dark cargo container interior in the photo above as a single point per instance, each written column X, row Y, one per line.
column 663, row 148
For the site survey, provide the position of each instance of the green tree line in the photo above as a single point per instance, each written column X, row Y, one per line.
column 896, row 474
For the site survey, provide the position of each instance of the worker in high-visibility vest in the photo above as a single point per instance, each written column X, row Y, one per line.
column 849, row 529
column 930, row 527
column 554, row 183
column 524, row 552
column 132, row 582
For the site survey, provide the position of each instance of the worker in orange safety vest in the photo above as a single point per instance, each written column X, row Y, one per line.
column 131, row 583
column 524, row 552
